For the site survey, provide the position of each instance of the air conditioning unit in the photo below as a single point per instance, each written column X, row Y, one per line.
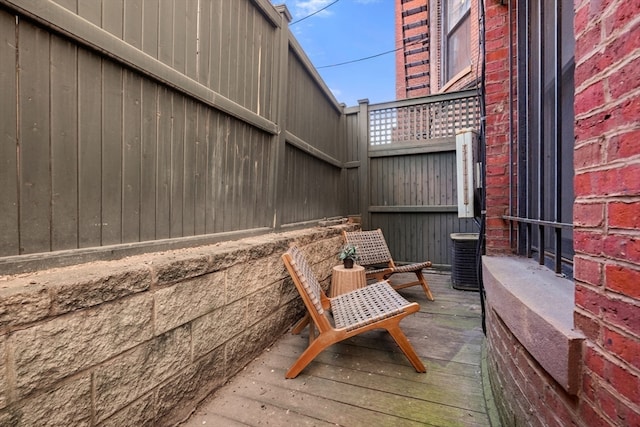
column 467, row 171
column 464, row 261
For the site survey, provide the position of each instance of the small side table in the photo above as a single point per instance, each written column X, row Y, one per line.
column 344, row 280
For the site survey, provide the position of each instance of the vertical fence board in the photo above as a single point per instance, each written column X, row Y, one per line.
column 33, row 99
column 148, row 166
column 267, row 76
column 212, row 182
column 235, row 23
column 150, row 17
column 253, row 42
column 179, row 36
column 91, row 11
column 217, row 47
column 241, row 76
column 177, row 166
column 231, row 187
column 131, row 157
column 133, row 22
column 112, row 13
column 224, row 177
column 190, row 170
column 64, row 145
column 191, row 36
column 242, row 189
column 112, row 154
column 262, row 197
column 165, row 32
column 218, row 172
column 230, row 174
column 89, row 149
column 205, row 43
column 163, row 189
column 9, row 201
column 230, row 46
column 201, row 166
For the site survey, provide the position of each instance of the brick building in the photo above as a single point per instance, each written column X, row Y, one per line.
column 562, row 193
column 440, row 46
column 562, row 189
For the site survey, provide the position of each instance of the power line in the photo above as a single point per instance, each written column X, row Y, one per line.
column 422, row 40
column 316, row 12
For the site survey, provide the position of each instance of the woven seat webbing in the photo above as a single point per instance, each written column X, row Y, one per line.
column 372, row 248
column 375, row 271
column 366, row 305
column 412, row 267
column 306, row 276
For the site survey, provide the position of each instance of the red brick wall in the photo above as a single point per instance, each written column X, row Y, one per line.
column 607, row 207
column 401, row 88
column 529, row 396
column 497, row 126
column 606, row 219
column 402, row 91
column 434, row 80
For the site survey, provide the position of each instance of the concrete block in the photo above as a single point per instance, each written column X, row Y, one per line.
column 214, row 329
column 23, row 301
column 68, row 404
column 178, row 304
column 140, row 413
column 177, row 398
column 50, row 351
column 73, row 289
column 127, row 377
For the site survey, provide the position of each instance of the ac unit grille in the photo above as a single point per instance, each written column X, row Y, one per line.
column 464, row 262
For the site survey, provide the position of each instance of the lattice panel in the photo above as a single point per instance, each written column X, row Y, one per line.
column 422, row 122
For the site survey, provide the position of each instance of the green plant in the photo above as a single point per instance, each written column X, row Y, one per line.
column 348, row 251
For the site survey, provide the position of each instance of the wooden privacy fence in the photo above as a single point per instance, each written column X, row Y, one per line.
column 131, row 126
column 409, row 172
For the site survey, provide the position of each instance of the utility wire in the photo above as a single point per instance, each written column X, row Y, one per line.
column 422, row 40
column 316, row 12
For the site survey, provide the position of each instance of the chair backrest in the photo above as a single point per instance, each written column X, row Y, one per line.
column 371, row 246
column 308, row 287
column 306, row 277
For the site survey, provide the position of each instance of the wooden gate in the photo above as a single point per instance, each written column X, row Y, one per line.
column 409, row 172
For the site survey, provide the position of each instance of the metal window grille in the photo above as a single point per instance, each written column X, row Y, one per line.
column 542, row 209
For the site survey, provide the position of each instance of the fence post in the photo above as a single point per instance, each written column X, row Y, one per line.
column 277, row 173
column 363, row 156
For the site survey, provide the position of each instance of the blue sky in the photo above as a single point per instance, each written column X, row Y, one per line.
column 346, row 31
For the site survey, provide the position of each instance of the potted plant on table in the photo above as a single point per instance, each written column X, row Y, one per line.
column 348, row 255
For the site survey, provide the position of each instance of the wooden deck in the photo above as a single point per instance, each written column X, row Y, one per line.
column 366, row 381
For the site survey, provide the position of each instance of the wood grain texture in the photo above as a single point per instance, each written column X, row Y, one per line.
column 367, row 380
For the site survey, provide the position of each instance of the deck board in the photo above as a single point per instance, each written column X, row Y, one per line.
column 367, row 381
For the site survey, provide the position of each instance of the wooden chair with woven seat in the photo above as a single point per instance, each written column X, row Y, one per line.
column 374, row 255
column 376, row 306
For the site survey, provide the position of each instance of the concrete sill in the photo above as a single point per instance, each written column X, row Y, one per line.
column 537, row 306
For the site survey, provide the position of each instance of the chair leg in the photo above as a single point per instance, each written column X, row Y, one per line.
column 401, row 339
column 299, row 326
column 305, row 358
column 421, row 281
column 425, row 286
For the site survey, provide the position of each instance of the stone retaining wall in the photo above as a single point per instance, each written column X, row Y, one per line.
column 141, row 341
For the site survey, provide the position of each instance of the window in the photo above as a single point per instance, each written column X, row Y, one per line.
column 545, row 134
column 457, row 45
